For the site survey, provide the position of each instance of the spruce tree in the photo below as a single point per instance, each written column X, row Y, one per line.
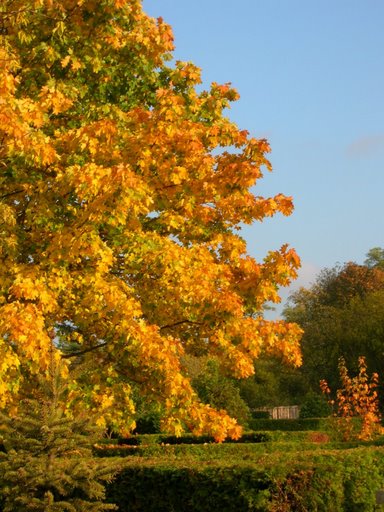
column 47, row 464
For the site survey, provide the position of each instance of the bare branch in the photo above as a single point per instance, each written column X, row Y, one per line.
column 13, row 193
column 84, row 351
column 171, row 326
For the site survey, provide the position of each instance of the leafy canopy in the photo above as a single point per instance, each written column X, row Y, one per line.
column 122, row 190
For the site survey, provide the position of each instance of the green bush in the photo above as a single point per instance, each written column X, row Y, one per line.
column 149, row 424
column 260, row 415
column 344, row 481
column 315, row 406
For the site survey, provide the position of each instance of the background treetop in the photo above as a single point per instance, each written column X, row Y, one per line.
column 342, row 316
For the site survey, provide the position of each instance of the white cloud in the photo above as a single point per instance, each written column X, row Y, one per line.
column 307, row 275
column 366, row 146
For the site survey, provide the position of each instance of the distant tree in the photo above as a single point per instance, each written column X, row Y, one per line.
column 375, row 258
column 342, row 315
column 335, row 287
column 221, row 391
column 274, row 383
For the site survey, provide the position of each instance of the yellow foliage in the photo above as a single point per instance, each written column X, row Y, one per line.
column 118, row 216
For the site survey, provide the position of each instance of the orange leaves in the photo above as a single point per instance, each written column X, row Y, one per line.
column 178, row 175
column 186, row 72
column 281, row 266
column 23, row 324
column 90, row 179
column 198, row 418
column 255, row 150
column 8, row 240
column 33, row 288
column 224, row 91
column 215, row 423
column 96, row 138
column 356, row 398
column 282, row 338
column 20, row 121
column 262, row 208
column 153, row 37
column 121, row 195
column 53, row 100
column 284, row 204
column 8, row 81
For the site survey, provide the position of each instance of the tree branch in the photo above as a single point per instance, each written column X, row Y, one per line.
column 84, row 351
column 12, row 193
column 171, row 326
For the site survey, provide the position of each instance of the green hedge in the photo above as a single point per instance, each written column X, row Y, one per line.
column 248, row 437
column 210, row 451
column 190, row 489
column 301, row 481
column 344, row 481
column 289, row 425
column 220, row 453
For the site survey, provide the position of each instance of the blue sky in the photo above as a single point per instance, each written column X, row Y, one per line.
column 310, row 74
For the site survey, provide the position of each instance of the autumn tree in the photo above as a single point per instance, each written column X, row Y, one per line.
column 342, row 316
column 122, row 191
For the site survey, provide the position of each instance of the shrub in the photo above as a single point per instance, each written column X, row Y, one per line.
column 256, row 415
column 315, row 406
column 344, row 481
column 287, row 425
column 251, row 437
column 149, row 424
column 357, row 398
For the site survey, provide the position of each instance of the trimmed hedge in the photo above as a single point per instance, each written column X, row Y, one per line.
column 333, row 482
column 190, row 489
column 301, row 481
column 289, row 425
column 210, row 451
column 250, row 437
column 221, row 453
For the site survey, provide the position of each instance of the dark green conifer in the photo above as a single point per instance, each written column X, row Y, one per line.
column 47, row 464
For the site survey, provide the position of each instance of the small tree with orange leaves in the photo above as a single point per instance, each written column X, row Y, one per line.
column 357, row 398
